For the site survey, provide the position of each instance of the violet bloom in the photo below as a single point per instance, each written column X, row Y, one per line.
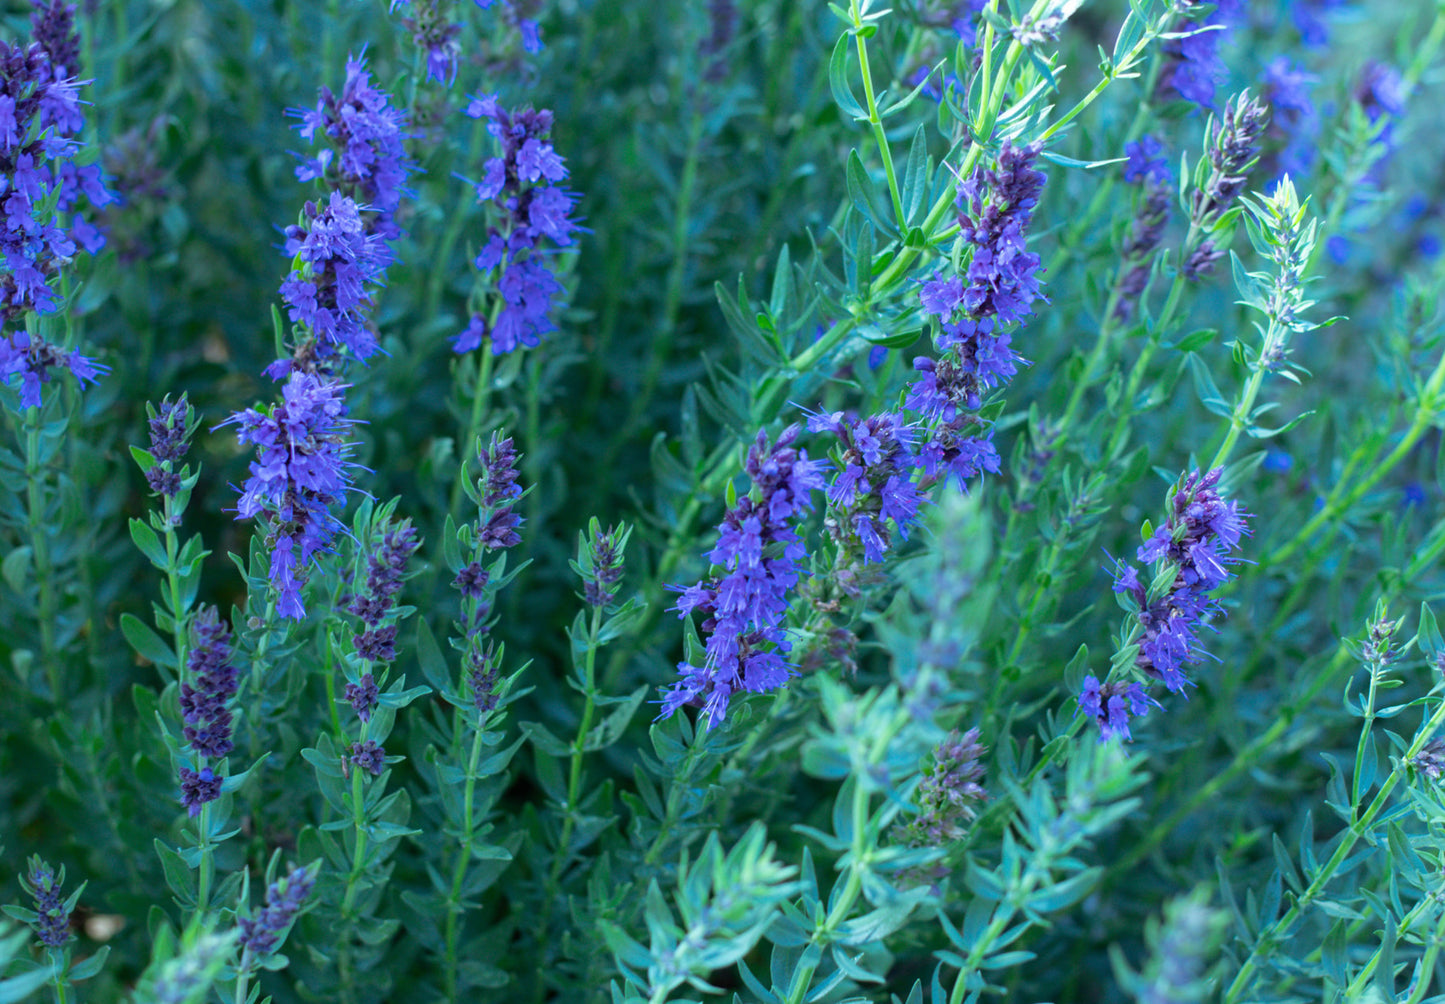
column 1112, row 704
column 299, row 474
column 526, row 26
column 34, row 361
column 39, row 115
column 743, row 608
column 1146, row 230
column 1233, row 151
column 1197, row 542
column 1192, row 65
column 386, row 569
column 874, row 484
column 171, row 426
column 213, row 683
column 330, row 294
column 367, row 159
column 1295, row 124
column 1146, row 159
column 433, row 32
column 262, row 934
column 52, row 921
column 368, row 756
column 362, row 697
column 205, row 708
column 995, row 207
column 523, row 188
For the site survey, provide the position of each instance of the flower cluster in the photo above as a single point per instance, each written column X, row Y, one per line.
column 1233, row 150
column 33, row 360
column 299, row 473
column 1192, row 65
column 435, row 33
column 1233, row 142
column 1146, row 160
column 39, row 115
column 948, row 793
column 328, row 291
column 496, row 493
column 526, row 26
column 874, row 483
column 522, row 186
column 367, row 162
column 51, row 922
column 601, row 564
column 385, row 570
column 1192, row 552
column 262, row 935
column 742, row 609
column 996, row 205
column 368, row 755
column 171, row 427
column 1112, row 704
column 1295, row 124
column 204, row 707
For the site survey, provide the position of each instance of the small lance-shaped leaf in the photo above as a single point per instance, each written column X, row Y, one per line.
column 146, row 642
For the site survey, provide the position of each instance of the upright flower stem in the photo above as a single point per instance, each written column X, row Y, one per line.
column 459, row 870
column 481, row 397
column 40, row 551
column 880, row 137
column 1276, row 932
column 574, row 786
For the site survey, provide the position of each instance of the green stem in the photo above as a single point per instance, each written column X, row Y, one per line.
column 880, row 137
column 40, row 551
column 481, row 396
column 459, row 871
column 1275, row 933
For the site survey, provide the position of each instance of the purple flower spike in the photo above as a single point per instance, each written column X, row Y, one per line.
column 262, row 935
column 35, row 360
column 366, row 160
column 522, row 188
column 1111, row 705
column 742, row 610
column 1198, row 541
column 299, row 474
column 52, row 925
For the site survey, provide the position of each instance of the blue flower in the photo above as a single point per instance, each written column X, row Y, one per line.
column 299, row 474
column 1197, row 543
column 1146, row 160
column 743, row 608
column 1111, row 705
column 523, row 188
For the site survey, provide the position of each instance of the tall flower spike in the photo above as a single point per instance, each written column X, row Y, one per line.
column 742, row 609
column 523, row 188
column 386, row 569
column 1233, row 151
column 52, row 910
column 261, row 935
column 1197, row 542
column 300, row 472
column 366, row 159
column 339, row 263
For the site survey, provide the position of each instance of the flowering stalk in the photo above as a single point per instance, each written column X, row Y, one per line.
column 260, row 936
column 1361, row 826
column 478, row 697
